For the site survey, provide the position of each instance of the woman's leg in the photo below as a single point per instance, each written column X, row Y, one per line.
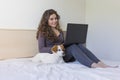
column 94, row 58
column 68, row 56
column 79, row 55
column 89, row 53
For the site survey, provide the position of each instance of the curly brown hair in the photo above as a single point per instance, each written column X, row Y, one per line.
column 44, row 29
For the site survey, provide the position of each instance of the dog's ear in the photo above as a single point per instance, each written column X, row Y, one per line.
column 54, row 48
column 63, row 48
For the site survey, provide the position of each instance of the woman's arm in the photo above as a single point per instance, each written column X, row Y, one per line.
column 42, row 45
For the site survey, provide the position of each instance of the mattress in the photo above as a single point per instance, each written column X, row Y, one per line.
column 25, row 69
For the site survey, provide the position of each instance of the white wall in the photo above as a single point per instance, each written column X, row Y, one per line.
column 26, row 14
column 103, row 17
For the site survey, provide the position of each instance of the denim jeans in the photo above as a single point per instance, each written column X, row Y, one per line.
column 80, row 53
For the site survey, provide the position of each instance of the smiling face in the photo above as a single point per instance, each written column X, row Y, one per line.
column 53, row 21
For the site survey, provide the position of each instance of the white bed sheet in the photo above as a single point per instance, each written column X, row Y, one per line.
column 24, row 69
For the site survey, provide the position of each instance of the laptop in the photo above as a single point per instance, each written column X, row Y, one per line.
column 76, row 33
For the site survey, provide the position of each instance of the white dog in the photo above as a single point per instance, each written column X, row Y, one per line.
column 55, row 57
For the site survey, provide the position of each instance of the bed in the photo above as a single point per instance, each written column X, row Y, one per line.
column 24, row 69
column 16, row 64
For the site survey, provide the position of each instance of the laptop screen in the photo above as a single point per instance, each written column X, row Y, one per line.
column 76, row 33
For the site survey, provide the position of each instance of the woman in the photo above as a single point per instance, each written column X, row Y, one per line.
column 49, row 33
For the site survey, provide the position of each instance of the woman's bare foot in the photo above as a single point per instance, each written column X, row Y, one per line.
column 95, row 65
column 103, row 65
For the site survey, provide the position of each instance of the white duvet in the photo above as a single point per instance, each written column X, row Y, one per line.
column 24, row 69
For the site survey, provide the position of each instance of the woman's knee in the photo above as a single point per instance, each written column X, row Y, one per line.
column 73, row 46
column 80, row 45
